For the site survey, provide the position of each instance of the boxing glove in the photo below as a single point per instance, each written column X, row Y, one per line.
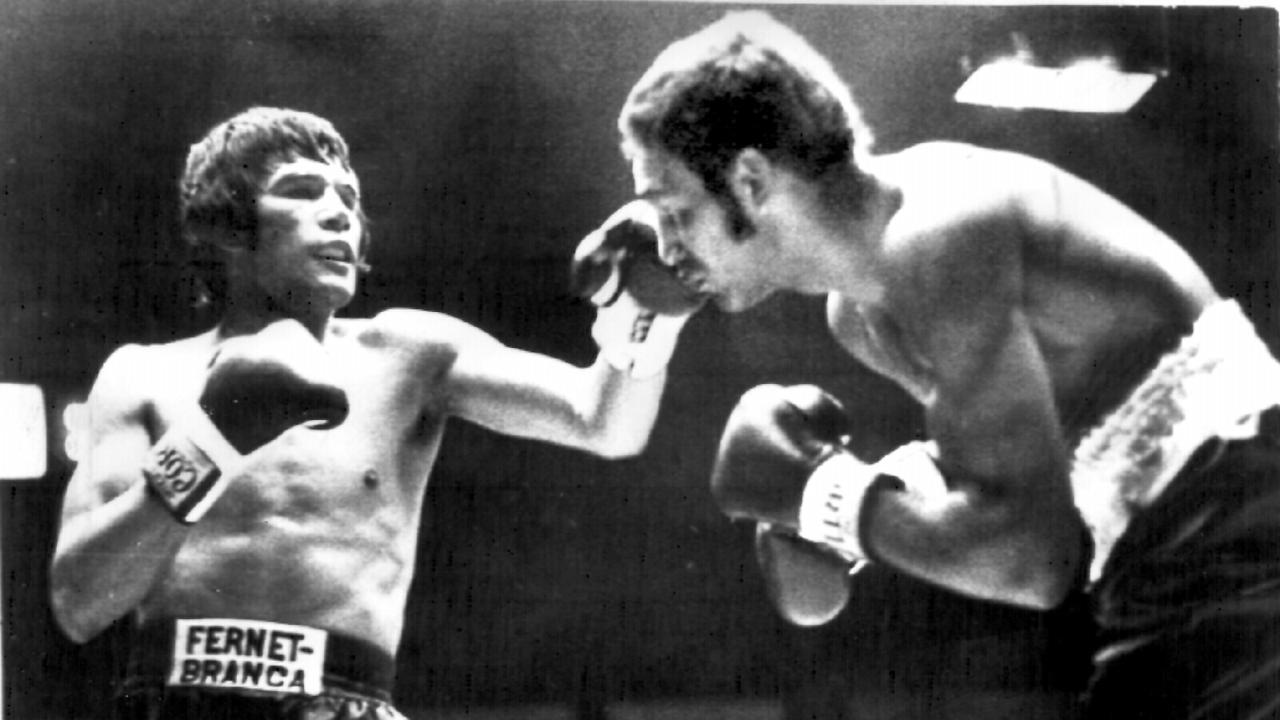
column 260, row 385
column 774, row 438
column 256, row 387
column 807, row 583
column 641, row 302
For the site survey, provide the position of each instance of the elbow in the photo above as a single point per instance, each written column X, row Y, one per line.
column 611, row 439
column 1021, row 556
column 69, row 621
column 1046, row 573
column 1045, row 594
column 69, row 610
column 619, row 447
column 1060, row 575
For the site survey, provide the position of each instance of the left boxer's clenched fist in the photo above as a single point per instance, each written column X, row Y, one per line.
column 622, row 256
column 774, row 438
column 642, row 305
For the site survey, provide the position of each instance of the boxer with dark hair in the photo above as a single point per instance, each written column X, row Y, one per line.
column 251, row 496
column 1099, row 417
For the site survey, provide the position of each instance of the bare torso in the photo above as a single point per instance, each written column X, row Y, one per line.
column 320, row 527
column 981, row 234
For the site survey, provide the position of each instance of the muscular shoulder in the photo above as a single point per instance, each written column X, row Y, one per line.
column 424, row 335
column 949, row 161
column 135, row 378
column 949, row 183
column 961, row 222
column 141, row 371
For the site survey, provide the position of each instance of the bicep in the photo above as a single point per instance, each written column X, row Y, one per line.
column 512, row 391
column 995, row 416
column 1002, row 529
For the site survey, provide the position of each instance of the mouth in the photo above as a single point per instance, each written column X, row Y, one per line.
column 693, row 280
column 336, row 253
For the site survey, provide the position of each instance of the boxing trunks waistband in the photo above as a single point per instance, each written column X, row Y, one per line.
column 1215, row 384
column 255, row 656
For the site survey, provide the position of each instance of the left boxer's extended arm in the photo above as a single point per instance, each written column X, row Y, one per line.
column 608, row 408
column 469, row 374
column 599, row 408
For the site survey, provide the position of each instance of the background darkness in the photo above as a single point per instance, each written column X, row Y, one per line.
column 484, row 135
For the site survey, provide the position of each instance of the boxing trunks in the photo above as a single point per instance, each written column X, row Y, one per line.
column 1180, row 489
column 253, row 670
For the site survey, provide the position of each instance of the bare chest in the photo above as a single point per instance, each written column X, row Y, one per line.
column 379, row 456
column 879, row 341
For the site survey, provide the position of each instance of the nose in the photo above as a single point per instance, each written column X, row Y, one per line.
column 335, row 216
column 670, row 249
column 336, row 221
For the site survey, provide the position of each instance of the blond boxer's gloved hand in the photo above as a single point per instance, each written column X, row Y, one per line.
column 641, row 303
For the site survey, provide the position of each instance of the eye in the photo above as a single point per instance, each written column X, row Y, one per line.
column 350, row 197
column 675, row 220
column 299, row 188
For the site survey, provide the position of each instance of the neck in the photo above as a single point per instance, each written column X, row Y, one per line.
column 842, row 246
column 246, row 314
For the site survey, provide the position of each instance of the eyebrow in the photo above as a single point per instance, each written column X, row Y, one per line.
column 654, row 193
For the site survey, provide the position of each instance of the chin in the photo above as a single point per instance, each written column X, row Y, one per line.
column 731, row 302
column 335, row 298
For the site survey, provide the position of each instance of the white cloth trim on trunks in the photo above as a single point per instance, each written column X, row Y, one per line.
column 1214, row 384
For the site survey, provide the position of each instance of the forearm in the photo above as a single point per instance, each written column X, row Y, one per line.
column 993, row 550
column 107, row 561
column 980, row 539
column 619, row 410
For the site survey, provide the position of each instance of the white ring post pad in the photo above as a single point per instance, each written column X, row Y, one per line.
column 188, row 467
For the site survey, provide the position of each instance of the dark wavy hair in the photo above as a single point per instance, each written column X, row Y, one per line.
column 225, row 173
column 748, row 81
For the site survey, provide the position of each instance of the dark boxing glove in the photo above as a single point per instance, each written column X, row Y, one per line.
column 807, row 583
column 782, row 461
column 257, row 387
column 774, row 438
column 641, row 303
column 777, row 442
column 261, row 385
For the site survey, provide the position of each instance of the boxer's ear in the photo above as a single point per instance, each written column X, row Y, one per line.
column 751, row 179
column 220, row 238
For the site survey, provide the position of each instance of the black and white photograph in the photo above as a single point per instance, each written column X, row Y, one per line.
column 639, row 360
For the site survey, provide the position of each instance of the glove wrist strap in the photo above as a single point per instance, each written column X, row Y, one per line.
column 635, row 340
column 835, row 502
column 186, row 471
column 834, row 507
column 830, row 508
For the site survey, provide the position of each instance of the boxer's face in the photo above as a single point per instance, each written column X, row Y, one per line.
column 695, row 234
column 309, row 233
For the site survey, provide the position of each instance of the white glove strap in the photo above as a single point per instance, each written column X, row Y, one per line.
column 831, row 507
column 188, row 467
column 635, row 340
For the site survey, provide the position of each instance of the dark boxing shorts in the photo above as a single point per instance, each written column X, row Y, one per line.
column 1188, row 605
column 1180, row 489
column 213, row 669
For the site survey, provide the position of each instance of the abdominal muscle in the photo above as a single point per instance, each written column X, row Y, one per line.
column 309, row 542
